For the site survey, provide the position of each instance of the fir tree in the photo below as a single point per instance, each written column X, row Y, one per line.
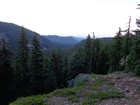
column 22, row 65
column 88, row 54
column 6, row 72
column 76, row 63
column 127, row 42
column 37, row 67
column 93, row 56
column 96, row 55
column 55, row 69
column 116, row 52
column 103, row 61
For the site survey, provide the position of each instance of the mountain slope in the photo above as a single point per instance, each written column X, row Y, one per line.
column 113, row 89
column 69, row 40
column 12, row 31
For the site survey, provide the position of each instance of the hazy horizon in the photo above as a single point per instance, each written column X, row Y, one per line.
column 71, row 17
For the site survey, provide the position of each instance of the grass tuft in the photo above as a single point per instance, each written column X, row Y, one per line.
column 31, row 100
column 64, row 92
column 94, row 97
column 74, row 98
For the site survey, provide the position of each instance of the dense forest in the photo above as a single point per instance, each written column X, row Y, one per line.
column 32, row 71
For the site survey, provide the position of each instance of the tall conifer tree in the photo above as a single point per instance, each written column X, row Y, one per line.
column 6, row 72
column 88, row 54
column 116, row 52
column 37, row 66
column 22, row 64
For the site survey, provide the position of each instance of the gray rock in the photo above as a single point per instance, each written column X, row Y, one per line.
column 79, row 78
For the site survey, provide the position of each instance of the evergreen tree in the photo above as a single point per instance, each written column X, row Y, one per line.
column 135, row 54
column 56, row 70
column 93, row 56
column 76, row 63
column 6, row 72
column 133, row 59
column 103, row 61
column 116, row 53
column 65, row 70
column 37, row 67
column 22, row 65
column 88, row 54
column 127, row 42
column 96, row 55
column 62, row 64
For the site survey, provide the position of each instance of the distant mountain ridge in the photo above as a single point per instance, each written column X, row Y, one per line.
column 12, row 31
column 64, row 40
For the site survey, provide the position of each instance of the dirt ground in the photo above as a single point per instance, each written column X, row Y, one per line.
column 127, row 83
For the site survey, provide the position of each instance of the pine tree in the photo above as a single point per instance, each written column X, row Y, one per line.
column 55, row 68
column 135, row 52
column 93, row 56
column 103, row 61
column 65, row 70
column 116, row 52
column 22, row 65
column 96, row 55
column 88, row 54
column 37, row 66
column 6, row 72
column 60, row 75
column 76, row 63
column 127, row 42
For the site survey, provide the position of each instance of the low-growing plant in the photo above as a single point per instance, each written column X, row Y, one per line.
column 31, row 100
column 81, row 83
column 111, row 83
column 64, row 92
column 92, row 98
column 94, row 75
column 89, row 102
column 74, row 98
column 98, row 82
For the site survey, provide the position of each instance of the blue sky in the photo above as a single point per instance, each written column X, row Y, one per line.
column 71, row 17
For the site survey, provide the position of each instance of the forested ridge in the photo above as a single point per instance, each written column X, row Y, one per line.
column 32, row 71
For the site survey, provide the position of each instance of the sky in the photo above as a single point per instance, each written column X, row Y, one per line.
column 71, row 17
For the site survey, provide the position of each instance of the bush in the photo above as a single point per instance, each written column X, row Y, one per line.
column 94, row 97
column 64, row 92
column 74, row 98
column 31, row 100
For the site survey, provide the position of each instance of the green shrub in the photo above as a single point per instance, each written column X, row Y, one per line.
column 81, row 83
column 31, row 100
column 98, row 82
column 74, row 98
column 94, row 97
column 89, row 102
column 64, row 92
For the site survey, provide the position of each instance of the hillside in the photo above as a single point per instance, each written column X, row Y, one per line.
column 103, row 41
column 113, row 89
column 12, row 31
column 69, row 41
